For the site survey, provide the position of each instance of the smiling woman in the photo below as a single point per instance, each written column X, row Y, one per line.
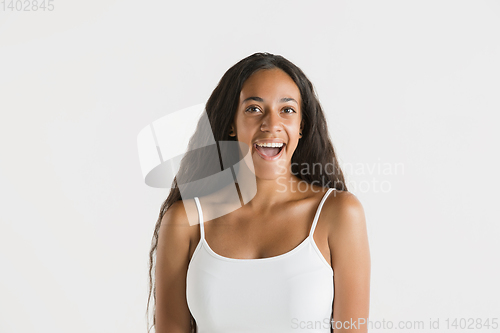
column 269, row 115
column 288, row 260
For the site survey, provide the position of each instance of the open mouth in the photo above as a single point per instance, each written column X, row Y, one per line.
column 269, row 152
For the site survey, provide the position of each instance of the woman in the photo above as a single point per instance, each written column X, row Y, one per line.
column 275, row 263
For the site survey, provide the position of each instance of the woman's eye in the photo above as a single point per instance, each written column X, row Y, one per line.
column 252, row 109
column 289, row 110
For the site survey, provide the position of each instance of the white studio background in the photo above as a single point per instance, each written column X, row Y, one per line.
column 410, row 89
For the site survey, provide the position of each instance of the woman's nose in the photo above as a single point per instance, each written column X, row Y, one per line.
column 271, row 122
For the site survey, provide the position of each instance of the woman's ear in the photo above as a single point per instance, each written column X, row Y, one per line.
column 232, row 132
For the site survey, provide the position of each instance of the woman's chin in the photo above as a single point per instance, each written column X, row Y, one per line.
column 270, row 172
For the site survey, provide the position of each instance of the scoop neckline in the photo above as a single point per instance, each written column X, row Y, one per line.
column 295, row 249
column 279, row 256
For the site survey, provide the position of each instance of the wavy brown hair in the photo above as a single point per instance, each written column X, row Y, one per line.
column 314, row 148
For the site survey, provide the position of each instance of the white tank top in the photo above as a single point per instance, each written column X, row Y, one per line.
column 291, row 292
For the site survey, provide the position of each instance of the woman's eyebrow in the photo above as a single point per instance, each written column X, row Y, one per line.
column 253, row 98
column 288, row 99
column 259, row 99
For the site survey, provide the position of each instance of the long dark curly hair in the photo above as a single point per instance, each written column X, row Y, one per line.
column 315, row 147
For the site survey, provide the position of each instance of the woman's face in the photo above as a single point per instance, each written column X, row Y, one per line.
column 269, row 112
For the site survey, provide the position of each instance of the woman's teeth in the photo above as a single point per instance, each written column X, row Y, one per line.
column 269, row 149
column 272, row 145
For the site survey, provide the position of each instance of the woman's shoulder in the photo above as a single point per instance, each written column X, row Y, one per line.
column 179, row 229
column 343, row 210
column 347, row 232
column 182, row 213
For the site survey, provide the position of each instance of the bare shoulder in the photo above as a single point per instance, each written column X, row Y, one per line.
column 172, row 312
column 347, row 233
column 344, row 212
column 177, row 223
column 179, row 213
column 350, row 256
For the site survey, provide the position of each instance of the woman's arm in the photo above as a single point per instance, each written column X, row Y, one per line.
column 350, row 254
column 172, row 259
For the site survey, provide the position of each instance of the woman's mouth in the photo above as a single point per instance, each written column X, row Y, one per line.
column 269, row 153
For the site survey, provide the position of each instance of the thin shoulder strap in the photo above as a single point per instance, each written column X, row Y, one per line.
column 200, row 217
column 318, row 211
